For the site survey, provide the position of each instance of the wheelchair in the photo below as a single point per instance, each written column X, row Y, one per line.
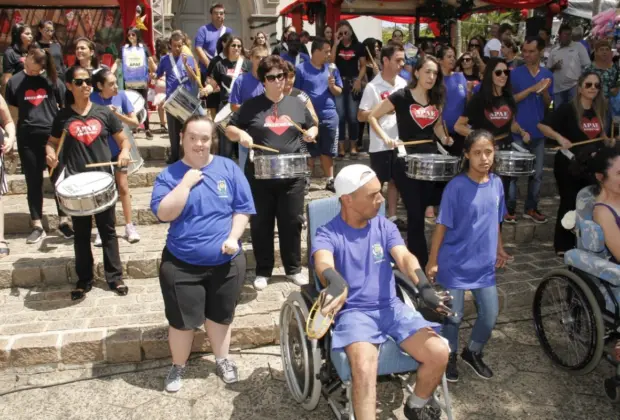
column 576, row 311
column 311, row 367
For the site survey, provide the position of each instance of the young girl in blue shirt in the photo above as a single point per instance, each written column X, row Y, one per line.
column 467, row 248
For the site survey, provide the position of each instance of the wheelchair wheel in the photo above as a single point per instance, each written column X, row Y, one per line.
column 301, row 359
column 568, row 321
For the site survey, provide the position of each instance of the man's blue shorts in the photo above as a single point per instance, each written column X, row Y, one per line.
column 397, row 321
column 326, row 141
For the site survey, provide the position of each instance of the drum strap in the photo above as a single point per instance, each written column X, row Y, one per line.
column 175, row 68
column 297, row 59
column 236, row 73
column 222, row 32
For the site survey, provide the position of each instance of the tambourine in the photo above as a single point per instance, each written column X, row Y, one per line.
column 318, row 324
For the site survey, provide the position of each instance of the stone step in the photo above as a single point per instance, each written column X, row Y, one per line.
column 52, row 260
column 42, row 330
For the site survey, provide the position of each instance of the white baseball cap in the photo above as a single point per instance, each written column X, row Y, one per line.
column 351, row 178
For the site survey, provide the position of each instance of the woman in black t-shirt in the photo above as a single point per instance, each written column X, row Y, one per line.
column 266, row 120
column 15, row 55
column 418, row 117
column 581, row 119
column 36, row 97
column 212, row 102
column 350, row 58
column 47, row 41
column 493, row 108
column 87, row 127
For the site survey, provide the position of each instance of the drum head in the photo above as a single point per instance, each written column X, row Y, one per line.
column 136, row 100
column 223, row 114
column 84, row 183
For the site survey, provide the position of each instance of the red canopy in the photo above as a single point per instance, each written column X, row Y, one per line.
column 128, row 16
column 518, row 4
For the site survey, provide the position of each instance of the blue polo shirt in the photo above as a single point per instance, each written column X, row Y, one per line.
column 313, row 81
column 246, row 87
column 206, row 38
column 121, row 102
column 197, row 235
column 172, row 80
column 531, row 110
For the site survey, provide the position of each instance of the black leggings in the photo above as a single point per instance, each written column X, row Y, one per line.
column 32, row 156
column 145, row 93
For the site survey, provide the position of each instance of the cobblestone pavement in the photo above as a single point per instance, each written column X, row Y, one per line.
column 525, row 386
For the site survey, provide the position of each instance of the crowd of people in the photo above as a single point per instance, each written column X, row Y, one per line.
column 313, row 102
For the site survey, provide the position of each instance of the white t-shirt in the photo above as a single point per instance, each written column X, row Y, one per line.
column 375, row 92
column 493, row 45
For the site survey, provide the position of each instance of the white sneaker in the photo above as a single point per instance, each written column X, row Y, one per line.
column 98, row 240
column 174, row 380
column 299, row 279
column 260, row 282
column 132, row 234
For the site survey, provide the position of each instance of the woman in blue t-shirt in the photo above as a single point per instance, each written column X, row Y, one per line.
column 105, row 92
column 467, row 247
column 208, row 203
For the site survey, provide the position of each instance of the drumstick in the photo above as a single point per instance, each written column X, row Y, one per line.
column 191, row 72
column 297, row 126
column 60, row 144
column 581, row 143
column 370, row 56
column 269, row 149
column 102, row 164
column 414, row 142
column 502, row 137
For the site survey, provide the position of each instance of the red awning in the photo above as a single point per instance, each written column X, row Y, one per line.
column 518, row 4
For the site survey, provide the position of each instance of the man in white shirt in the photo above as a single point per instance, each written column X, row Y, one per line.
column 493, row 47
column 567, row 61
column 382, row 157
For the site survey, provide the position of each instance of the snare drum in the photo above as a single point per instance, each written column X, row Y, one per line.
column 510, row 163
column 134, row 153
column 223, row 117
column 87, row 193
column 182, row 105
column 431, row 167
column 293, row 165
column 139, row 104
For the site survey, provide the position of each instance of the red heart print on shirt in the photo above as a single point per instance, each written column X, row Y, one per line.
column 423, row 115
column 277, row 124
column 591, row 127
column 346, row 54
column 385, row 94
column 85, row 131
column 35, row 97
column 499, row 117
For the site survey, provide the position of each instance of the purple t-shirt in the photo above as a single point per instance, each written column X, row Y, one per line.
column 472, row 213
column 531, row 110
column 456, row 98
column 121, row 102
column 246, row 87
column 362, row 257
column 206, row 38
column 313, row 81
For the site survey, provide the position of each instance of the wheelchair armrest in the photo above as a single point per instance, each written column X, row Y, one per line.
column 405, row 282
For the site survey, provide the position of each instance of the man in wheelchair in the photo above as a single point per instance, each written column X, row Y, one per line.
column 353, row 250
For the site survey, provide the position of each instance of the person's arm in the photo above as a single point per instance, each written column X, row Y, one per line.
column 173, row 202
column 310, row 108
column 130, row 119
column 199, row 42
column 366, row 103
column 357, row 85
column 515, row 128
column 554, row 135
column 124, row 145
column 543, row 84
column 441, row 132
column 462, row 126
column 604, row 217
column 9, row 126
column 385, row 107
column 234, row 130
column 584, row 58
column 438, row 234
column 152, row 65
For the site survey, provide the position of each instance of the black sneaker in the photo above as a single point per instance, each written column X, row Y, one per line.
column 474, row 360
column 36, row 236
column 330, row 186
column 66, row 231
column 452, row 373
column 429, row 412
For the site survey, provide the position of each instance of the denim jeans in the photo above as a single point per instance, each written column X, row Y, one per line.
column 347, row 106
column 243, row 156
column 487, row 304
column 536, row 147
column 564, row 96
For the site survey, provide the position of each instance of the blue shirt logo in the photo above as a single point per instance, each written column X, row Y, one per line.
column 377, row 253
column 222, row 191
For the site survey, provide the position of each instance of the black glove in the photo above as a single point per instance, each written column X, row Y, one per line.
column 427, row 292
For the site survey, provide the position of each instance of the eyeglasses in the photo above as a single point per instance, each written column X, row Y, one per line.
column 49, row 31
column 235, row 45
column 588, row 85
column 219, row 13
column 80, row 82
column 131, row 34
column 273, row 77
column 498, row 73
column 474, row 45
column 466, row 59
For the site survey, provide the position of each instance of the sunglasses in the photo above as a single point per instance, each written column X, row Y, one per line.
column 80, row 82
column 500, row 72
column 474, row 45
column 274, row 77
column 466, row 59
column 346, row 33
column 131, row 34
column 235, row 45
column 588, row 85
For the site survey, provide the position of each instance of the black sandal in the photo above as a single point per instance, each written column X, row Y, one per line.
column 4, row 250
column 81, row 288
column 119, row 287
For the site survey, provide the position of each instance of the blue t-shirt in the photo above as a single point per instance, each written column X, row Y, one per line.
column 172, row 77
column 206, row 38
column 121, row 102
column 362, row 257
column 313, row 81
column 405, row 75
column 472, row 213
column 303, row 58
column 197, row 235
column 531, row 110
column 456, row 98
column 246, row 87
